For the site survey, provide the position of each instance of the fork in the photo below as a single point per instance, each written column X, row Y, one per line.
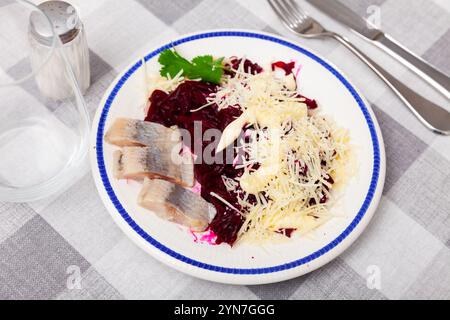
column 430, row 114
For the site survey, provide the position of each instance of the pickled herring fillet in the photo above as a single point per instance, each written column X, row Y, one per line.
column 137, row 133
column 176, row 204
column 156, row 162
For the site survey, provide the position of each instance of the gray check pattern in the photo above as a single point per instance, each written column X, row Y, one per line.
column 408, row 239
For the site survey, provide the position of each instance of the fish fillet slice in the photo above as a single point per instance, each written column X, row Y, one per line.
column 159, row 161
column 176, row 204
column 137, row 133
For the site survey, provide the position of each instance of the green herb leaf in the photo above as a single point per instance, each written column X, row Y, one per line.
column 202, row 67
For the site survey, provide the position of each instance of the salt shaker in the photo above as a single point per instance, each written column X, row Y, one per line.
column 53, row 81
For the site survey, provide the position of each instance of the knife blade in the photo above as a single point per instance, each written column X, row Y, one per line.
column 346, row 16
column 343, row 14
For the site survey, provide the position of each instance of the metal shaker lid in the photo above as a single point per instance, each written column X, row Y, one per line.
column 64, row 18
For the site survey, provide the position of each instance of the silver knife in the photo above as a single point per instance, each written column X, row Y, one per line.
column 345, row 15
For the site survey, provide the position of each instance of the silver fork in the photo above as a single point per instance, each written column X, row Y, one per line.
column 430, row 114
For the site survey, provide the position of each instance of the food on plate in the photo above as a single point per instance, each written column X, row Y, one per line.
column 177, row 204
column 154, row 162
column 270, row 172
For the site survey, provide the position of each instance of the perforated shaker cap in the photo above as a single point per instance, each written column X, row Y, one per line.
column 64, row 18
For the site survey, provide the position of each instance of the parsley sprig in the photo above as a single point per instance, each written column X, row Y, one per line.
column 202, row 67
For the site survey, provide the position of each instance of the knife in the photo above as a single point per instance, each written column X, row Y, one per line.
column 345, row 15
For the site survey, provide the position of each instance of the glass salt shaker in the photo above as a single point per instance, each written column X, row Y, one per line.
column 72, row 35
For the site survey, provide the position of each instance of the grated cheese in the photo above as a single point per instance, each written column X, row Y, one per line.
column 297, row 152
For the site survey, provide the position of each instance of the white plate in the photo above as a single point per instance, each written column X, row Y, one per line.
column 246, row 263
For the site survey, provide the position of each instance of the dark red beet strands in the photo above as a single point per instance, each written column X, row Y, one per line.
column 288, row 69
column 286, row 232
column 175, row 109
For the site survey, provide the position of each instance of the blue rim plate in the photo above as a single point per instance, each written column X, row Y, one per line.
column 237, row 275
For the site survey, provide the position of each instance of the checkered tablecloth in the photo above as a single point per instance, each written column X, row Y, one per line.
column 43, row 245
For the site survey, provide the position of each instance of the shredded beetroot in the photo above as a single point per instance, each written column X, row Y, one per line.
column 310, row 103
column 287, row 232
column 249, row 66
column 287, row 67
